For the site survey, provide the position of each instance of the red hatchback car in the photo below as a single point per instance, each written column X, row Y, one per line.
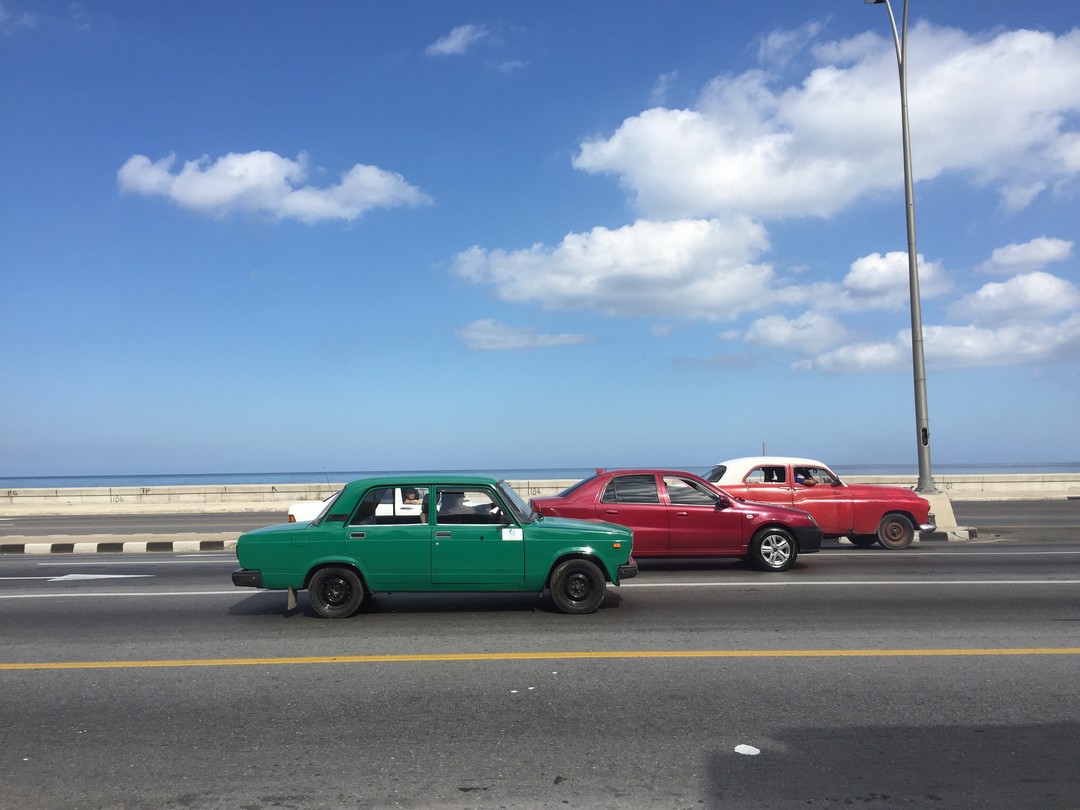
column 678, row 514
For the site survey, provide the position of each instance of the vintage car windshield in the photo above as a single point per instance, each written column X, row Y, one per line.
column 715, row 474
column 521, row 509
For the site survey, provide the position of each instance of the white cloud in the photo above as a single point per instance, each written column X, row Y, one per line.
column 810, row 333
column 12, row 22
column 1018, row 197
column 778, row 47
column 882, row 282
column 1033, row 255
column 1030, row 298
column 458, row 41
column 268, row 184
column 999, row 109
column 859, row 357
column 659, row 92
column 686, row 269
column 959, row 347
column 489, row 335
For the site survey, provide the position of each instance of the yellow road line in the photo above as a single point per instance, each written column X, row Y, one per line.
column 536, row 656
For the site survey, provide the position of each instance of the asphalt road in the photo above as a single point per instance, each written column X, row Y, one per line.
column 1054, row 519
column 940, row 676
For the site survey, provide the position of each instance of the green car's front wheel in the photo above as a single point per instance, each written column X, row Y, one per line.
column 335, row 593
column 577, row 586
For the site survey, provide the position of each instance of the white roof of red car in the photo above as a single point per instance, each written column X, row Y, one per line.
column 739, row 467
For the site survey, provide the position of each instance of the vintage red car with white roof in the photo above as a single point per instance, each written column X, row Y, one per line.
column 864, row 513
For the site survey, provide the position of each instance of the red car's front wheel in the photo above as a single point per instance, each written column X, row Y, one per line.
column 895, row 531
column 773, row 549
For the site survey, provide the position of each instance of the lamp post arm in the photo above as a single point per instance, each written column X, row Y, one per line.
column 922, row 419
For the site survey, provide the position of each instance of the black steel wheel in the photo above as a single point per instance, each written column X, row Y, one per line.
column 335, row 593
column 895, row 531
column 773, row 549
column 577, row 586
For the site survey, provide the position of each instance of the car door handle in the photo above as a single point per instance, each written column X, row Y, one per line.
column 442, row 534
column 357, row 535
column 611, row 511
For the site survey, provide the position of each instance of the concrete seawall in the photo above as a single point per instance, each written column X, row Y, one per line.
column 264, row 497
column 277, row 497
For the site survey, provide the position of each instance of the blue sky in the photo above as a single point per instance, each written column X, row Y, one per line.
column 351, row 235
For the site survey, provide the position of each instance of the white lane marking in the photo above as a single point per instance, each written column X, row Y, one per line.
column 140, row 593
column 230, row 560
column 70, row 577
column 883, row 555
column 749, row 750
column 80, row 577
column 835, row 583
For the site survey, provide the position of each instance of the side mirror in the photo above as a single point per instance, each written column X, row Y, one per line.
column 722, row 504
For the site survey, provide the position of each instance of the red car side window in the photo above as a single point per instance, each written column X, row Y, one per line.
column 631, row 489
column 767, row 475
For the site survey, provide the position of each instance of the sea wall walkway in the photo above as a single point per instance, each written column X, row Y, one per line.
column 262, row 497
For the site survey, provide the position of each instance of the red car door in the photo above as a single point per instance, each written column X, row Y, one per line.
column 634, row 501
column 695, row 524
column 769, row 483
column 819, row 492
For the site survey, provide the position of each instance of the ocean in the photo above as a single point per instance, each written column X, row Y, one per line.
column 573, row 473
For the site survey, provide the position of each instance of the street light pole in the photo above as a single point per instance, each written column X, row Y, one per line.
column 922, row 419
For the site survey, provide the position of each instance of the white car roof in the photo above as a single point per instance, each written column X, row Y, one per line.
column 738, row 467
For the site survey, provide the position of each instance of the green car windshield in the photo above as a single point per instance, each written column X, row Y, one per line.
column 326, row 508
column 522, row 510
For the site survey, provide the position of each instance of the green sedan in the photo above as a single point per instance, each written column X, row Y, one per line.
column 434, row 533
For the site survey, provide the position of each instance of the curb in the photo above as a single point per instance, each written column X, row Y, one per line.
column 955, row 533
column 112, row 544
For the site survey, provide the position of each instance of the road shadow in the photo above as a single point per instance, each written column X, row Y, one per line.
column 733, row 564
column 275, row 603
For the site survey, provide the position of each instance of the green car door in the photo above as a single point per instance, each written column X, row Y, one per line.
column 475, row 541
column 390, row 540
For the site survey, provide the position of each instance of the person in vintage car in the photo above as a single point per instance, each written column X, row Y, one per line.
column 864, row 513
column 678, row 514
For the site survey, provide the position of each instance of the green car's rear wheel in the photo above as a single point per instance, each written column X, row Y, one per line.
column 335, row 593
